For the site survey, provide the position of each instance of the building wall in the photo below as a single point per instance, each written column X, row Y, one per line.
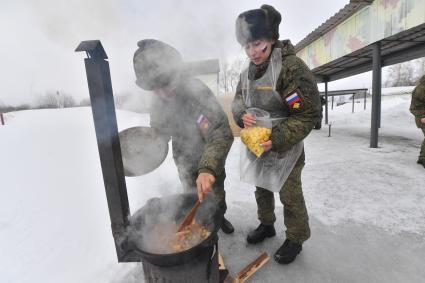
column 379, row 20
column 211, row 81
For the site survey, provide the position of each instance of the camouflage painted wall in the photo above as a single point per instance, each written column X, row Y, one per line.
column 381, row 19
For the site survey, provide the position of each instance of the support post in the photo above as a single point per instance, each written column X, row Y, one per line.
column 365, row 93
column 376, row 94
column 105, row 123
column 326, row 104
column 2, row 118
column 352, row 108
column 379, row 99
column 332, row 107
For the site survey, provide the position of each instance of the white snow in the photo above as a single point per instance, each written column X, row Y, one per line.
column 366, row 206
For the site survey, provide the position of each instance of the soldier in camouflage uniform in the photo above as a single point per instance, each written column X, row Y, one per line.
column 185, row 110
column 417, row 108
column 318, row 125
column 258, row 32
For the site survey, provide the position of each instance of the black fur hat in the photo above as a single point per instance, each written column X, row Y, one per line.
column 258, row 23
column 156, row 64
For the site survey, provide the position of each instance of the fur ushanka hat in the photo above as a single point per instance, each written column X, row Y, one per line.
column 257, row 24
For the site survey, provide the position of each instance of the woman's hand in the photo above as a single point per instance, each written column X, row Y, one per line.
column 266, row 145
column 248, row 120
column 204, row 184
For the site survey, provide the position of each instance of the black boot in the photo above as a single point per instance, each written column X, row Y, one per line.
column 318, row 126
column 422, row 162
column 287, row 252
column 258, row 235
column 227, row 227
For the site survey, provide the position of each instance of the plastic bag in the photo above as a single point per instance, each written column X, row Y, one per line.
column 260, row 132
column 268, row 170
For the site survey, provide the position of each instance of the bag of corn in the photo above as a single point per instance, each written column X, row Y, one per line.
column 253, row 137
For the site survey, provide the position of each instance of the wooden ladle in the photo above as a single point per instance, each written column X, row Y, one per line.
column 189, row 217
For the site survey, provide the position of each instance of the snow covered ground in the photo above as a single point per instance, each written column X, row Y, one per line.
column 366, row 206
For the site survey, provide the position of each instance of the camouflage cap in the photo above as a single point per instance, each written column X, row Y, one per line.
column 257, row 24
column 156, row 64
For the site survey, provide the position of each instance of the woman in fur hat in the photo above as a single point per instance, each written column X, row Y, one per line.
column 280, row 83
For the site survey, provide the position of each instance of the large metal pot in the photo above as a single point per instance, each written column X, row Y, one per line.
column 175, row 208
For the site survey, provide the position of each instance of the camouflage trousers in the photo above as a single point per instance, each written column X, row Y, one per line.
column 422, row 153
column 188, row 179
column 294, row 209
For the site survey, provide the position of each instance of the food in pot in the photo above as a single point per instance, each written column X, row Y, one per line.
column 190, row 236
column 163, row 238
column 252, row 137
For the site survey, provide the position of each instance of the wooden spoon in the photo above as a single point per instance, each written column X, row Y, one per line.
column 189, row 217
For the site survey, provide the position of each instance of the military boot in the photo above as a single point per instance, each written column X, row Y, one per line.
column 287, row 252
column 227, row 227
column 258, row 235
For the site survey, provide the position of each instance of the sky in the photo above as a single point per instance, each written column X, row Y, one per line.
column 38, row 37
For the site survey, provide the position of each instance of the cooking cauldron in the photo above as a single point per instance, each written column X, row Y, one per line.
column 174, row 208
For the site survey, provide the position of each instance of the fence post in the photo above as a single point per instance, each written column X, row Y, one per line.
column 365, row 93
column 2, row 118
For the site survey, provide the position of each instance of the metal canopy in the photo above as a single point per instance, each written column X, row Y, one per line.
column 404, row 46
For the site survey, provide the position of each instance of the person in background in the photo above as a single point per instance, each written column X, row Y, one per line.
column 185, row 110
column 318, row 125
column 280, row 83
column 417, row 108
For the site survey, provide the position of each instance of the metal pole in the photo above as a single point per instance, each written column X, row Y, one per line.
column 376, row 94
column 379, row 103
column 326, row 104
column 105, row 123
column 352, row 110
column 365, row 99
column 2, row 118
column 332, row 102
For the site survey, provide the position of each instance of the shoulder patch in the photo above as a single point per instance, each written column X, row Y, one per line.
column 294, row 101
column 203, row 122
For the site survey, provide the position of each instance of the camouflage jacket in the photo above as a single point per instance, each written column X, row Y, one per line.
column 295, row 76
column 199, row 128
column 417, row 105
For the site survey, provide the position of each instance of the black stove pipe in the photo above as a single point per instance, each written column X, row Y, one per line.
column 105, row 123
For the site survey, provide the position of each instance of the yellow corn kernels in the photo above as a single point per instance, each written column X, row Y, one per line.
column 252, row 137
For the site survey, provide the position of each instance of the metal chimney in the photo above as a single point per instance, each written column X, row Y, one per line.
column 105, row 123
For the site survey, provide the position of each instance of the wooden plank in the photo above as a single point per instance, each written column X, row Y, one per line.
column 251, row 268
column 221, row 265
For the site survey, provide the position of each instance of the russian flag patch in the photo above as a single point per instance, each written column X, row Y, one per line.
column 203, row 122
column 294, row 101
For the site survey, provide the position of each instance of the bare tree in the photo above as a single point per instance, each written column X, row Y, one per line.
column 402, row 74
column 55, row 100
column 230, row 74
column 85, row 102
column 420, row 68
